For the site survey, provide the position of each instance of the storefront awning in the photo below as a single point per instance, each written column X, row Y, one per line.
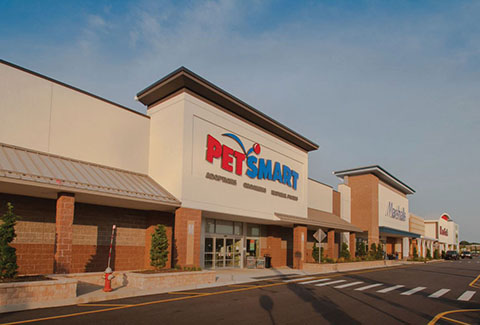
column 320, row 219
column 29, row 168
column 401, row 233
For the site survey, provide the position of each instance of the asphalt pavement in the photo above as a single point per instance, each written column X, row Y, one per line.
column 435, row 293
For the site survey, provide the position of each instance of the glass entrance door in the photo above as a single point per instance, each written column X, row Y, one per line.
column 222, row 252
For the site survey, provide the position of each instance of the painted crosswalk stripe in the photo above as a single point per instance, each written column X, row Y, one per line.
column 390, row 289
column 466, row 296
column 299, row 279
column 369, row 286
column 348, row 284
column 439, row 293
column 314, row 281
column 331, row 282
column 414, row 290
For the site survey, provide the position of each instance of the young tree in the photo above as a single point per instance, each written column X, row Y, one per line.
column 429, row 254
column 8, row 256
column 159, row 250
column 415, row 253
column 379, row 253
column 344, row 252
column 315, row 252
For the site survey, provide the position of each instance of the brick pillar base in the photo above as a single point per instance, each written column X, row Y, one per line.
column 331, row 244
column 64, row 233
column 353, row 244
column 299, row 246
column 153, row 220
column 187, row 236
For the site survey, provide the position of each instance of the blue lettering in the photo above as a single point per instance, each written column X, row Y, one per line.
column 264, row 169
column 252, row 170
column 295, row 178
column 286, row 176
column 277, row 172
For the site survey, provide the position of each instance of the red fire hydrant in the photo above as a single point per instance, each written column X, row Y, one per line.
column 108, row 280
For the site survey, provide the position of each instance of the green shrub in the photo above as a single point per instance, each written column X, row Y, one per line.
column 436, row 254
column 344, row 252
column 361, row 249
column 429, row 254
column 415, row 253
column 322, row 259
column 315, row 252
column 8, row 256
column 379, row 253
column 159, row 250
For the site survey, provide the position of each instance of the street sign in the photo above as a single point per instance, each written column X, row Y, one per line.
column 319, row 235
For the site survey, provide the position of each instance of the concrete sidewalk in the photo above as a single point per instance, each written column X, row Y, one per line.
column 88, row 293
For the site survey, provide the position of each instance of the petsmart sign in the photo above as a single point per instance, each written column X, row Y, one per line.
column 249, row 162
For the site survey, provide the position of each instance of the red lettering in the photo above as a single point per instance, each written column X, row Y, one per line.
column 227, row 158
column 214, row 148
column 240, row 157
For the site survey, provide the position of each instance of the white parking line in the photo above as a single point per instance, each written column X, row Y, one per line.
column 327, row 283
column 390, row 289
column 299, row 279
column 439, row 293
column 369, row 286
column 348, row 285
column 314, row 281
column 414, row 290
column 466, row 296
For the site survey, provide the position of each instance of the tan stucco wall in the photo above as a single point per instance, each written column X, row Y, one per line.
column 43, row 115
column 386, row 196
column 180, row 126
column 320, row 196
column 417, row 224
column 345, row 204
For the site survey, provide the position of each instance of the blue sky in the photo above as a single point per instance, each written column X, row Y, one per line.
column 394, row 83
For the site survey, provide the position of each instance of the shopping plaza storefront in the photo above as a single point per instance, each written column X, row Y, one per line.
column 229, row 183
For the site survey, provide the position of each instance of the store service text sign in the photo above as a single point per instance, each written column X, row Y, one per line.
column 259, row 168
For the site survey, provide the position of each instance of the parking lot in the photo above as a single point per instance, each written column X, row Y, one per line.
column 414, row 294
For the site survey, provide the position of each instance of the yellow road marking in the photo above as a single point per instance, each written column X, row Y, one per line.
column 185, row 293
column 474, row 282
column 441, row 315
column 455, row 321
column 195, row 296
column 102, row 305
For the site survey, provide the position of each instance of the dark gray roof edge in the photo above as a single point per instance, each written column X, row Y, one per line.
column 359, row 169
column 71, row 87
column 190, row 73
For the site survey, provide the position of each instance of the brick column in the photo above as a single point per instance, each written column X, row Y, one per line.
column 331, row 244
column 187, row 236
column 299, row 245
column 153, row 220
column 353, row 244
column 64, row 232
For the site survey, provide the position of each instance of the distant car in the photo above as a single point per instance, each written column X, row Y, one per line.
column 466, row 254
column 451, row 255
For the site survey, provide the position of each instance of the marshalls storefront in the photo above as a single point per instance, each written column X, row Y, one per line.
column 230, row 184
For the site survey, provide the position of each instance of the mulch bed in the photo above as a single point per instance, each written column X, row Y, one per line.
column 26, row 278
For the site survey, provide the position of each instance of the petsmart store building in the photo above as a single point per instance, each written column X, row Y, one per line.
column 229, row 183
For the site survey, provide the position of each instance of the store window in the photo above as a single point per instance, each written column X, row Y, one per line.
column 223, row 227
column 253, row 230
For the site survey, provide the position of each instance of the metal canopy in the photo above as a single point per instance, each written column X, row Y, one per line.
column 391, row 231
column 25, row 165
column 322, row 219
